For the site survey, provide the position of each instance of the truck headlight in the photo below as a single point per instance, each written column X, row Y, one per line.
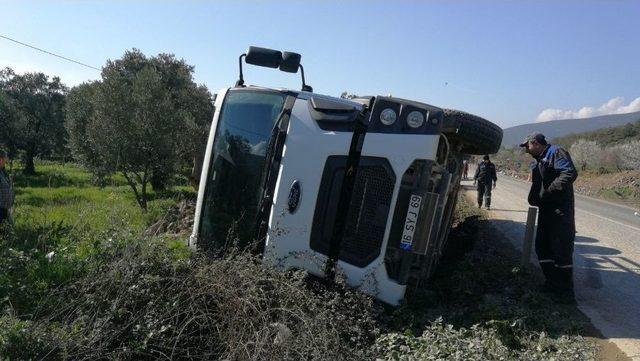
column 415, row 119
column 388, row 116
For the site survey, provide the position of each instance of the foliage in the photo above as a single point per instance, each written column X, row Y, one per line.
column 613, row 153
column 347, row 95
column 143, row 119
column 482, row 305
column 512, row 159
column 441, row 341
column 141, row 304
column 583, row 152
column 606, row 137
column 79, row 112
column 629, row 154
column 32, row 120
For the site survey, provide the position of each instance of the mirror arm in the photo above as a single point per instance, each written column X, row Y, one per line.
column 305, row 87
column 240, row 81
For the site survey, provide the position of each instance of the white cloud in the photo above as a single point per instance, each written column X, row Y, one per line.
column 613, row 106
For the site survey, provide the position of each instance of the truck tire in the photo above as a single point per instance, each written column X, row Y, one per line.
column 470, row 133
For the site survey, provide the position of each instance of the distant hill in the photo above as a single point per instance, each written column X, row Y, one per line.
column 560, row 128
column 604, row 137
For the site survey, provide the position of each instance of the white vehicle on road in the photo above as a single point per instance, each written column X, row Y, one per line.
column 362, row 187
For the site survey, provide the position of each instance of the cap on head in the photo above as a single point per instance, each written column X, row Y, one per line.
column 537, row 136
column 486, row 157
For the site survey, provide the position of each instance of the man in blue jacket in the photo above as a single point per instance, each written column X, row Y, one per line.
column 485, row 176
column 552, row 192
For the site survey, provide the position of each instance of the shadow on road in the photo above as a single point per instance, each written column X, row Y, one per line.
column 604, row 280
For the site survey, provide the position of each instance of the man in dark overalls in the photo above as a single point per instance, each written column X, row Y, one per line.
column 552, row 192
column 485, row 175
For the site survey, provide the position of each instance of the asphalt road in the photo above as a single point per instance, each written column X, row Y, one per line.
column 606, row 258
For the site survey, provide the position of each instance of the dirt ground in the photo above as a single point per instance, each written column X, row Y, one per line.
column 607, row 350
column 622, row 187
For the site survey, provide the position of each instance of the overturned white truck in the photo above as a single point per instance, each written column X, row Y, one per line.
column 362, row 187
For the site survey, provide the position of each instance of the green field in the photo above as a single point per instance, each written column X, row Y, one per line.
column 66, row 194
column 60, row 212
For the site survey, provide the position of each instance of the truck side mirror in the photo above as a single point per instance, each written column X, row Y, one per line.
column 264, row 57
column 290, row 62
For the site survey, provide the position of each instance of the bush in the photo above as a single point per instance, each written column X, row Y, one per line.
column 142, row 303
column 441, row 341
column 22, row 340
column 584, row 153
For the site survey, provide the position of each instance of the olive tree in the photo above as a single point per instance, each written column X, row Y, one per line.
column 583, row 153
column 141, row 119
column 32, row 115
column 630, row 154
column 611, row 158
column 80, row 111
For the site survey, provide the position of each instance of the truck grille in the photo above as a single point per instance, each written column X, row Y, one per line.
column 367, row 215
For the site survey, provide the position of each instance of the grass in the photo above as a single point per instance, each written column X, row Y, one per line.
column 54, row 175
column 78, row 279
column 629, row 195
column 66, row 193
column 59, row 212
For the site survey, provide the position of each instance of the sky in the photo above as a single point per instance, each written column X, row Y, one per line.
column 512, row 62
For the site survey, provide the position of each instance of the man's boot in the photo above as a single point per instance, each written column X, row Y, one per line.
column 564, row 281
column 549, row 271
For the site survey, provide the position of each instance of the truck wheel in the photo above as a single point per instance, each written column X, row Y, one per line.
column 470, row 133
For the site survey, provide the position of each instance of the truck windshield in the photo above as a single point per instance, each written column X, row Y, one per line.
column 234, row 181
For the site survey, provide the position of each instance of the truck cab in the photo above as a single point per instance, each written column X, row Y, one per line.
column 360, row 188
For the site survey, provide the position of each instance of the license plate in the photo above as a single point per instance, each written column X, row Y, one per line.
column 410, row 222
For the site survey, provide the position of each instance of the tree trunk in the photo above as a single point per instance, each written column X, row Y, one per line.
column 194, row 178
column 141, row 198
column 158, row 180
column 29, row 165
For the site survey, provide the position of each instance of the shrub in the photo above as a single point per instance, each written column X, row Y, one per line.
column 630, row 154
column 584, row 153
column 142, row 303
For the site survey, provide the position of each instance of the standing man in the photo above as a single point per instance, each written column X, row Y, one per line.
column 485, row 174
column 6, row 189
column 465, row 169
column 552, row 191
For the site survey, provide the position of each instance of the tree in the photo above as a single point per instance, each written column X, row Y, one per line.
column 611, row 158
column 33, row 115
column 198, row 125
column 583, row 152
column 347, row 95
column 7, row 124
column 139, row 120
column 80, row 111
column 630, row 154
